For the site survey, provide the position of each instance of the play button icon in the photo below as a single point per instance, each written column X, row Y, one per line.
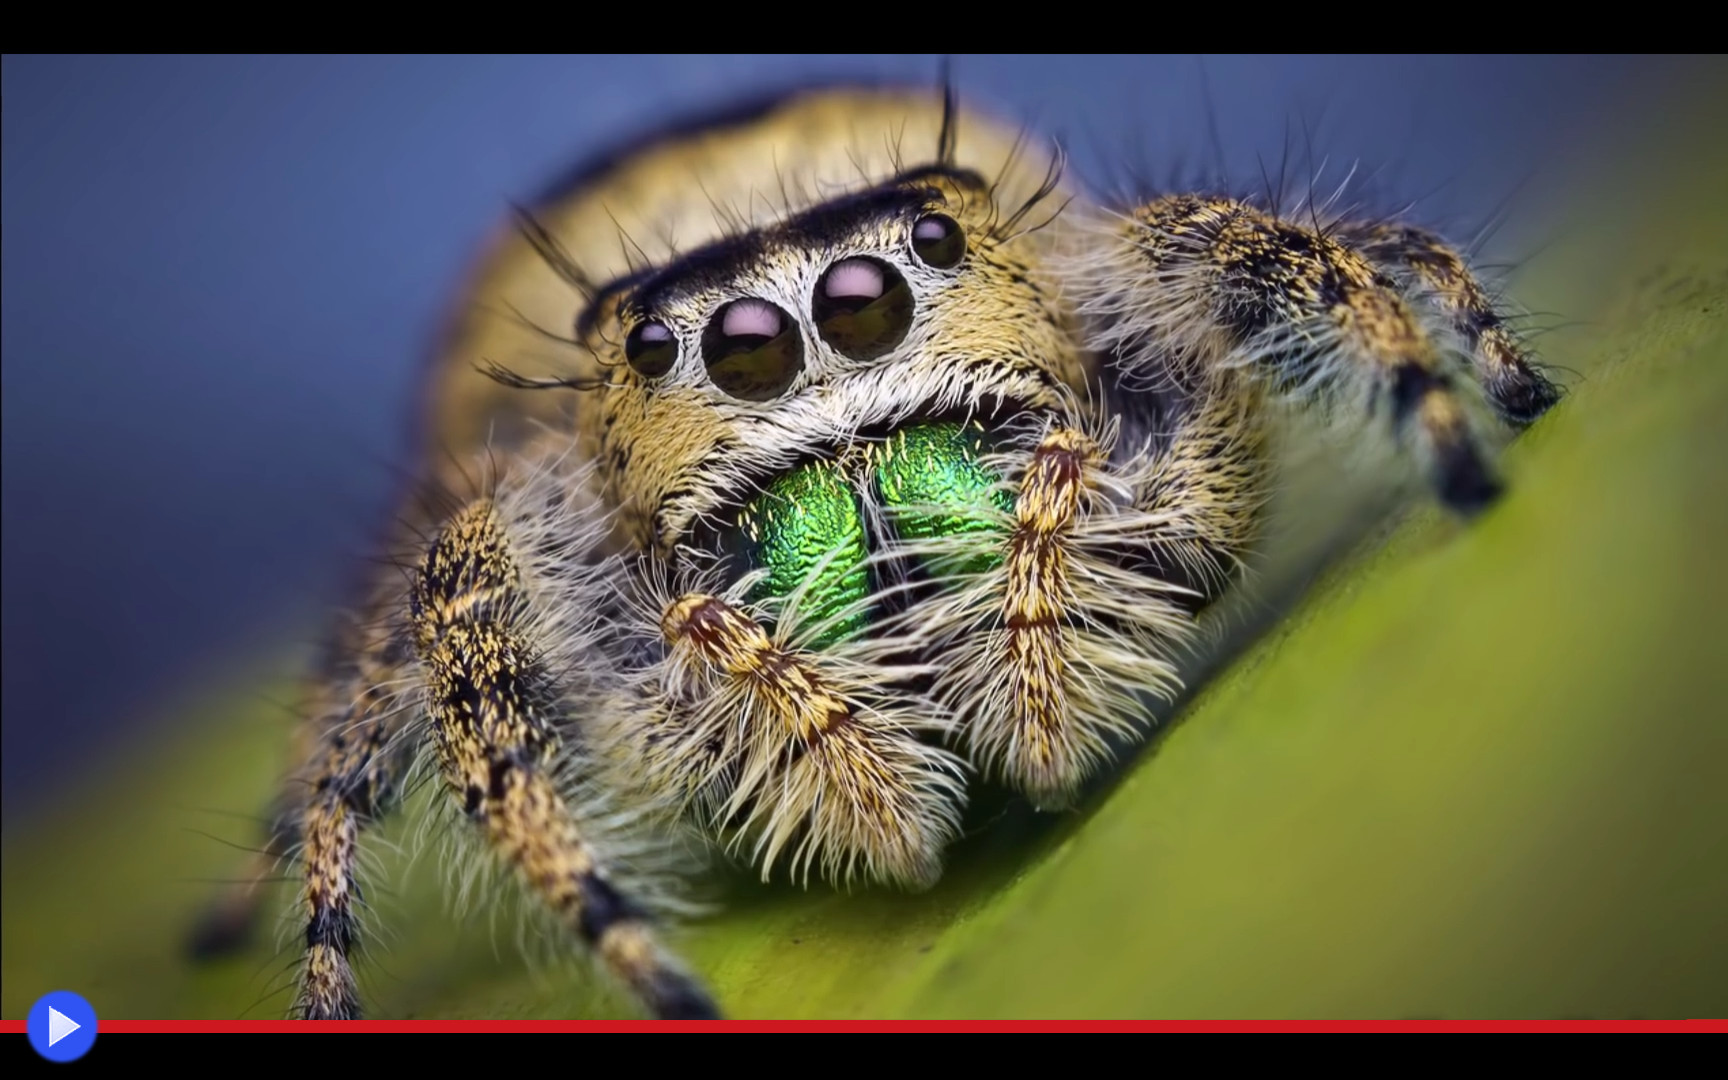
column 62, row 1026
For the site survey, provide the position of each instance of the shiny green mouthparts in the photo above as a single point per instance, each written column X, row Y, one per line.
column 933, row 481
column 807, row 525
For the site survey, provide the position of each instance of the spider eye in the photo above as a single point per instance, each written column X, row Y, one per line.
column 753, row 350
column 938, row 240
column 862, row 307
column 651, row 348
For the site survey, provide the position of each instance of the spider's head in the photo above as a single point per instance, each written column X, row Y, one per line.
column 779, row 291
column 910, row 302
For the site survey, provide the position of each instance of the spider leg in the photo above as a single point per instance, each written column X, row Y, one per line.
column 1197, row 482
column 354, row 779
column 1437, row 274
column 1051, row 654
column 492, row 699
column 1197, row 282
column 350, row 754
column 820, row 760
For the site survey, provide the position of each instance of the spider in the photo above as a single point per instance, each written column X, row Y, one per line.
column 834, row 454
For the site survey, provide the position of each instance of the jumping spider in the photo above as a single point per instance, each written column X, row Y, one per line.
column 866, row 454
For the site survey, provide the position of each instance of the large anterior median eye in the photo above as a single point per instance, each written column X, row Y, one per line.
column 753, row 350
column 651, row 349
column 862, row 307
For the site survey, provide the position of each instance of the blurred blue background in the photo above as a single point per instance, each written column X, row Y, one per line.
column 222, row 274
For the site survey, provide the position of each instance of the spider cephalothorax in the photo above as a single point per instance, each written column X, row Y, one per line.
column 840, row 453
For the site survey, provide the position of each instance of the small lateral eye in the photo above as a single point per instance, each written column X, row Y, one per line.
column 862, row 307
column 938, row 240
column 753, row 350
column 651, row 348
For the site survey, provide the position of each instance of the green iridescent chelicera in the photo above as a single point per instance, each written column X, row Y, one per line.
column 808, row 524
column 934, row 483
column 791, row 529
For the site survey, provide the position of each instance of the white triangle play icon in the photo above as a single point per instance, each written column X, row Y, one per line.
column 60, row 1025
